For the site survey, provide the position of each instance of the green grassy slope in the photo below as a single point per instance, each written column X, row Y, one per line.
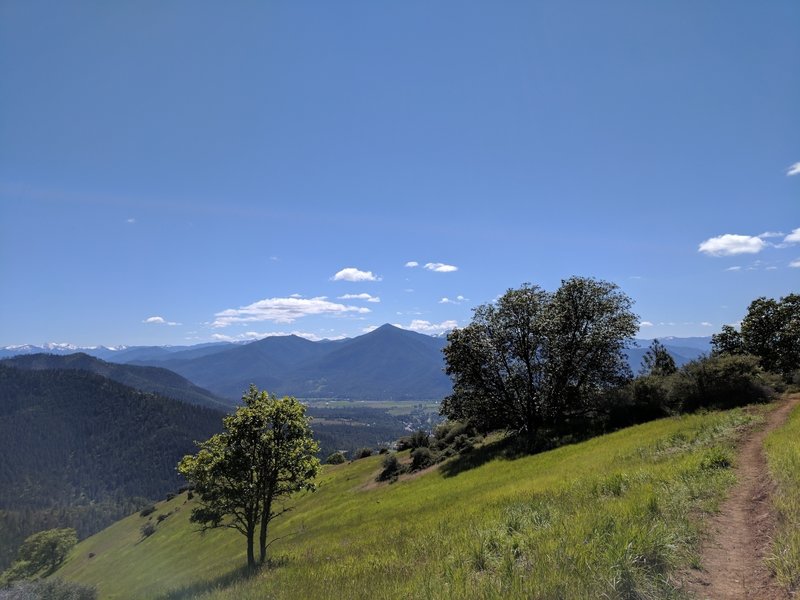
column 610, row 517
column 783, row 455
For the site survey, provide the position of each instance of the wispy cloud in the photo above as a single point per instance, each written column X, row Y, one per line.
column 440, row 267
column 731, row 244
column 795, row 264
column 736, row 268
column 646, row 324
column 793, row 238
column 412, row 263
column 706, row 324
column 131, row 221
column 353, row 274
column 364, row 296
column 793, row 169
column 771, row 234
column 159, row 321
column 283, row 310
column 255, row 335
column 458, row 300
column 422, row 326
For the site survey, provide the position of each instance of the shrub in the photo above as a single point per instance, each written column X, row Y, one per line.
column 147, row 511
column 420, row 439
column 170, row 496
column 363, row 453
column 421, row 457
column 161, row 517
column 719, row 382
column 335, row 458
column 383, row 450
column 147, row 530
column 391, row 468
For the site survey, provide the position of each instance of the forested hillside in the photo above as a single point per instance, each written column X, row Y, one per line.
column 80, row 450
column 149, row 379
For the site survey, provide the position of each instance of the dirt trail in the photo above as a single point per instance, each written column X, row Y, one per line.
column 740, row 534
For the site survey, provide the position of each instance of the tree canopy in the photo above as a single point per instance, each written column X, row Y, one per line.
column 537, row 359
column 265, row 453
column 42, row 553
column 658, row 361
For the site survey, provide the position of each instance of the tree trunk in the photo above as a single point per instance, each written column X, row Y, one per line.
column 251, row 557
column 265, row 517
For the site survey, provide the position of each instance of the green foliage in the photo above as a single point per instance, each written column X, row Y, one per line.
column 336, row 458
column 536, row 359
column 721, row 381
column 362, row 453
column 658, row 361
column 42, row 553
column 421, row 458
column 391, row 468
column 727, row 341
column 49, row 589
column 783, row 457
column 147, row 511
column 147, row 529
column 771, row 331
column 265, row 453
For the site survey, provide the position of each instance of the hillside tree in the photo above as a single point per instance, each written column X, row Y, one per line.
column 771, row 331
column 42, row 553
column 658, row 361
column 536, row 359
column 265, row 453
column 727, row 341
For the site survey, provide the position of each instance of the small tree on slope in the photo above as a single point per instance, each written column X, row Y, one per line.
column 265, row 453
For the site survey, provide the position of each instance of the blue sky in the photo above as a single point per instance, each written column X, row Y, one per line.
column 180, row 172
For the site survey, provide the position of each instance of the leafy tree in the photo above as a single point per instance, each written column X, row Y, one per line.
column 658, row 361
column 335, row 458
column 771, row 331
column 727, row 341
column 265, row 453
column 42, row 552
column 538, row 359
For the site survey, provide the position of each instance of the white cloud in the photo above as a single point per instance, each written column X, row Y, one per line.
column 794, row 169
column 412, row 264
column 131, row 221
column 458, row 300
column 421, row 326
column 353, row 274
column 646, row 324
column 295, row 295
column 440, row 267
column 283, row 310
column 731, row 244
column 771, row 234
column 793, row 238
column 737, row 268
column 706, row 324
column 364, row 296
column 255, row 335
column 369, row 328
column 795, row 264
column 159, row 321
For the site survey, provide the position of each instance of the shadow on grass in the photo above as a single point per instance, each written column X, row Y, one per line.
column 201, row 587
column 508, row 448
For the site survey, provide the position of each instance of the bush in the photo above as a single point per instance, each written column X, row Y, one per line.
column 719, row 382
column 161, row 517
column 391, row 468
column 363, row 453
column 147, row 511
column 170, row 496
column 147, row 530
column 336, row 458
column 383, row 450
column 52, row 588
column 421, row 457
column 418, row 439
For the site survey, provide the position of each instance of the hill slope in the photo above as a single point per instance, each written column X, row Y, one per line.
column 610, row 517
column 80, row 450
column 149, row 379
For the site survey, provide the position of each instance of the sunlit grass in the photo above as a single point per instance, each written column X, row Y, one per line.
column 783, row 455
column 613, row 517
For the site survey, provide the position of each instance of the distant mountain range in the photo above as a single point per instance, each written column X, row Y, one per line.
column 388, row 363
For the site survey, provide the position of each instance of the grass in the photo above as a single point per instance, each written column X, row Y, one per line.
column 612, row 517
column 783, row 456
